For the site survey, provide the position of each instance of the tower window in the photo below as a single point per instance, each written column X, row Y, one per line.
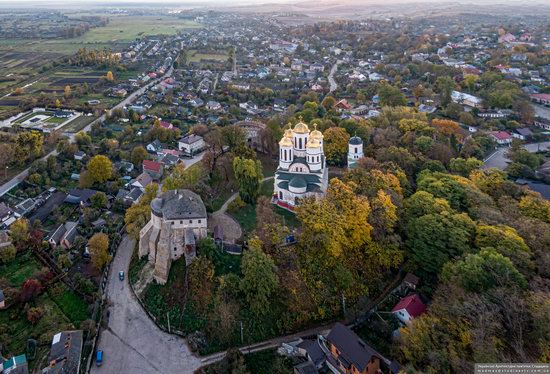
column 300, row 142
column 355, row 149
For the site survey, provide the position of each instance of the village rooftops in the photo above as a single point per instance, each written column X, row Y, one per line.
column 65, row 352
column 152, row 166
column 178, row 204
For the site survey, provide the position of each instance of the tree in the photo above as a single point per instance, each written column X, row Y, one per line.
column 19, row 232
column 28, row 145
column 445, row 86
column 100, row 169
column 484, row 270
column 7, row 254
column 328, row 102
column 436, row 238
column 138, row 155
column 99, row 250
column 201, row 282
column 259, row 282
column 335, row 145
column 507, row 242
column 57, row 103
column 30, row 289
column 110, row 77
column 535, row 207
column 464, row 166
column 99, row 200
column 139, row 214
column 34, row 315
column 249, row 175
column 67, row 92
column 391, row 96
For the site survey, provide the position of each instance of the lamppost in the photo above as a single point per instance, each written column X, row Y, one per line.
column 6, row 177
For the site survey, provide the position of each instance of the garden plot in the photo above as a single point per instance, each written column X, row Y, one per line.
column 42, row 119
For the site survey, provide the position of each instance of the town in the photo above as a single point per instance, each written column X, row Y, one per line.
column 267, row 190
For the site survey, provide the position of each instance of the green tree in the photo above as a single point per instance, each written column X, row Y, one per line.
column 19, row 232
column 484, row 270
column 436, row 238
column 445, row 86
column 464, row 166
column 249, row 175
column 138, row 155
column 391, row 96
column 507, row 242
column 100, row 169
column 259, row 282
column 7, row 254
column 99, row 200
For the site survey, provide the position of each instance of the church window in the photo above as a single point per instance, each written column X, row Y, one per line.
column 190, row 221
column 285, row 156
column 355, row 149
column 281, row 195
column 300, row 142
column 200, row 221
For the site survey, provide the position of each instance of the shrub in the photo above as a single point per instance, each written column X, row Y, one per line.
column 236, row 205
column 34, row 315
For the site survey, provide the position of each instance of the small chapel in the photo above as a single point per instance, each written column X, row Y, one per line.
column 302, row 170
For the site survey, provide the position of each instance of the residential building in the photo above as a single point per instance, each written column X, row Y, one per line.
column 64, row 235
column 349, row 354
column 409, row 308
column 191, row 144
column 142, row 181
column 522, row 133
column 15, row 365
column 502, row 137
column 65, row 353
column 302, row 170
column 153, row 168
column 466, row 99
column 178, row 219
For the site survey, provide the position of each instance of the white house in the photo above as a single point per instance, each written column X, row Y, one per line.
column 191, row 144
column 409, row 308
column 502, row 137
column 466, row 99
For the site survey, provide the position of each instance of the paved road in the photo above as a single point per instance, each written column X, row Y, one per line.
column 542, row 111
column 21, row 176
column 132, row 343
column 333, row 70
column 499, row 160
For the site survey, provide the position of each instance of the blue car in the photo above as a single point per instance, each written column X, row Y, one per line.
column 121, row 275
column 99, row 358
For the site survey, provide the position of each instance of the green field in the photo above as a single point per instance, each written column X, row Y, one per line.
column 194, row 56
column 122, row 29
column 72, row 306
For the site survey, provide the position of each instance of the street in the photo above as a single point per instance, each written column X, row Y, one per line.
column 499, row 160
column 331, row 80
column 132, row 343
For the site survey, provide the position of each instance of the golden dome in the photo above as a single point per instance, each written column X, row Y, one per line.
column 286, row 141
column 313, row 143
column 288, row 133
column 316, row 134
column 301, row 128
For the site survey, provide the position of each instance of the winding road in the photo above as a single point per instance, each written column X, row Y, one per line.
column 331, row 80
column 132, row 343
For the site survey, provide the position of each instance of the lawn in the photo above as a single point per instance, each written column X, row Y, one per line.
column 246, row 217
column 194, row 56
column 71, row 304
column 23, row 267
column 169, row 299
column 129, row 28
column 56, row 120
column 228, row 264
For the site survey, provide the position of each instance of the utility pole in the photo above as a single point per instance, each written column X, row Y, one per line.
column 242, row 336
column 168, row 317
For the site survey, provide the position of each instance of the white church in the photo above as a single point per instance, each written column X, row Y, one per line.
column 302, row 170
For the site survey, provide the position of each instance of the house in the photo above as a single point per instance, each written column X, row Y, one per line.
column 80, row 196
column 153, row 168
column 64, row 235
column 125, row 166
column 5, row 240
column 409, row 308
column 154, row 147
column 2, row 300
column 493, row 114
column 133, row 196
column 423, row 108
column 168, row 159
column 522, row 133
column 178, row 217
column 279, row 105
column 501, row 137
column 25, row 207
column 65, row 353
column 410, row 281
column 191, row 144
column 15, row 365
column 543, row 99
column 213, row 105
column 79, row 156
column 466, row 99
column 195, row 103
column 166, row 125
column 5, row 212
column 343, row 105
column 142, row 181
column 349, row 354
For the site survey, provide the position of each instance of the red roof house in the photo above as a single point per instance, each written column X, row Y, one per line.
column 543, row 99
column 409, row 308
column 502, row 137
column 153, row 168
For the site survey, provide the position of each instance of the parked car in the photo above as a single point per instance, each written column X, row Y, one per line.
column 99, row 358
column 121, row 275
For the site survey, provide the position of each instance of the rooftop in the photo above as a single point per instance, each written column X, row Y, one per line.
column 178, row 204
